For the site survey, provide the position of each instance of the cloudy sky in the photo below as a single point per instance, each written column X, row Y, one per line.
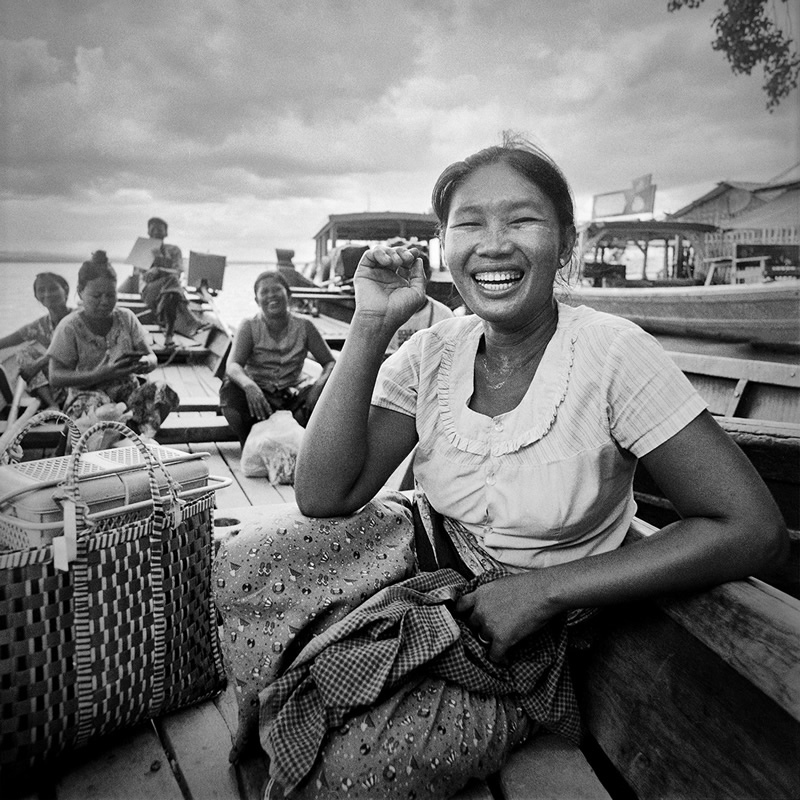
column 245, row 123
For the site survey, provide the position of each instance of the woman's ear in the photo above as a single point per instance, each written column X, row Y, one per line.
column 567, row 244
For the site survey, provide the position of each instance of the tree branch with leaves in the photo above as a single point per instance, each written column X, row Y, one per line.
column 749, row 36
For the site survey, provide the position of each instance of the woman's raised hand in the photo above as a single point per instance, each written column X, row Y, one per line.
column 390, row 283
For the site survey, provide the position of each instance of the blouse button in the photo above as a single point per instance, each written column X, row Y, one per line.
column 490, row 479
column 498, row 425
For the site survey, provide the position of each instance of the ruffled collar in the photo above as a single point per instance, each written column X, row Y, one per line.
column 537, row 411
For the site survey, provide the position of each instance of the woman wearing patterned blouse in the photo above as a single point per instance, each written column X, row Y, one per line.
column 52, row 291
column 101, row 352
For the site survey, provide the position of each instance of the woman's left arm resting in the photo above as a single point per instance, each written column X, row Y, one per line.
column 730, row 528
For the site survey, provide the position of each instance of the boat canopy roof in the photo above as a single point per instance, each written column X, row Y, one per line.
column 643, row 229
column 377, row 226
column 618, row 233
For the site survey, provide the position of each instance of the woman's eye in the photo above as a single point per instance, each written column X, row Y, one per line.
column 466, row 224
column 523, row 220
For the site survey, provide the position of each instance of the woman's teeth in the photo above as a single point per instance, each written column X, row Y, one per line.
column 498, row 280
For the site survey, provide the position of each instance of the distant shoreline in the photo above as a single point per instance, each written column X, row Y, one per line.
column 50, row 258
column 39, row 258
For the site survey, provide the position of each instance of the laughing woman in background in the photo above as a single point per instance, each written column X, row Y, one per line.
column 52, row 291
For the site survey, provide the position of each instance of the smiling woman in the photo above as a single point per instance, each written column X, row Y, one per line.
column 264, row 367
column 527, row 420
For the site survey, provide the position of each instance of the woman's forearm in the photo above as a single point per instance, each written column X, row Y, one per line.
column 59, row 377
column 11, row 340
column 329, row 466
column 237, row 374
column 691, row 554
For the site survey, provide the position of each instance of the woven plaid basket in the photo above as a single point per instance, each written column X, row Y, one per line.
column 111, row 624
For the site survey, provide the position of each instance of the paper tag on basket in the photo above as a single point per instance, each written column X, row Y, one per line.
column 173, row 510
column 65, row 548
column 177, row 511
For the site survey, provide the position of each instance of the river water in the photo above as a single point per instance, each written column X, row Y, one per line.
column 235, row 302
column 18, row 305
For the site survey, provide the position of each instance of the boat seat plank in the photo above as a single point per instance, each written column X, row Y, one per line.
column 676, row 720
column 548, row 767
column 191, row 380
column 229, row 496
column 199, row 403
column 120, row 767
column 753, row 627
column 259, row 491
column 199, row 740
column 252, row 769
column 194, row 426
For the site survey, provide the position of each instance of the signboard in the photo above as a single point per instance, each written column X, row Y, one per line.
column 141, row 255
column 639, row 199
column 205, row 267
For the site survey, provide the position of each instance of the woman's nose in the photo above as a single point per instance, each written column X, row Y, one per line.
column 495, row 241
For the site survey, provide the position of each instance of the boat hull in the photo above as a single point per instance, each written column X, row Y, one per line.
column 762, row 314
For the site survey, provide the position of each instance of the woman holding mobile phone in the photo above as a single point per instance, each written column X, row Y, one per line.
column 100, row 354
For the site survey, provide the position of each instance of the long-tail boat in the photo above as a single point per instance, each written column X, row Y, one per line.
column 689, row 696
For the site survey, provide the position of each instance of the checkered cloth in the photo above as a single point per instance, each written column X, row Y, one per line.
column 359, row 660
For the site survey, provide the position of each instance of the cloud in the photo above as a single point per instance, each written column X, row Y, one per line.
column 277, row 113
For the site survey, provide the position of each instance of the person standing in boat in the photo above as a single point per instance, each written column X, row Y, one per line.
column 264, row 367
column 100, row 353
column 163, row 288
column 52, row 291
column 527, row 419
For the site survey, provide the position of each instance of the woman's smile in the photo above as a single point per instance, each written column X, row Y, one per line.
column 498, row 281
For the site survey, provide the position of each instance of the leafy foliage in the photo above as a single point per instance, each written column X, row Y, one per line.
column 749, row 37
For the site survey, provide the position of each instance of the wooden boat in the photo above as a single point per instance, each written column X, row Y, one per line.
column 695, row 696
column 758, row 404
column 759, row 303
column 765, row 314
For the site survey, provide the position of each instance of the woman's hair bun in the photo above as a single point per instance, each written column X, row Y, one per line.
column 99, row 257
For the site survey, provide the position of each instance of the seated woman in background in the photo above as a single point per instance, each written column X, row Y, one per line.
column 528, row 418
column 265, row 364
column 100, row 352
column 52, row 291
column 163, row 291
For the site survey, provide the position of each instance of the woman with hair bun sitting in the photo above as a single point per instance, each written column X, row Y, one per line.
column 101, row 352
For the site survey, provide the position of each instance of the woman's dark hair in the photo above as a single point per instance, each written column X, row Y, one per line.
column 521, row 155
column 97, row 267
column 271, row 275
column 50, row 277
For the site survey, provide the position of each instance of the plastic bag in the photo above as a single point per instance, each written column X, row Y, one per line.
column 271, row 448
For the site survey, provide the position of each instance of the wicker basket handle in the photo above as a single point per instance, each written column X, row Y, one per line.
column 17, row 435
column 76, row 523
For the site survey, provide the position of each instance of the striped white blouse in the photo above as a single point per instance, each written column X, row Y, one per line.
column 551, row 480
